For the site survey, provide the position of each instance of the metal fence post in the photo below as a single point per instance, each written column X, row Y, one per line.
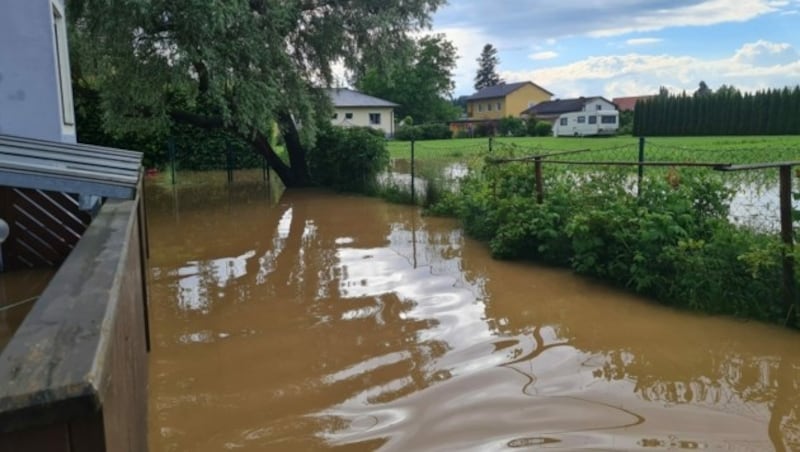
column 537, row 162
column 171, row 151
column 787, row 236
column 413, row 191
column 491, row 139
column 229, row 162
column 641, row 167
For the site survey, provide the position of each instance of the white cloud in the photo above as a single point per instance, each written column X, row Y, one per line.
column 469, row 42
column 546, row 55
column 548, row 21
column 754, row 66
column 642, row 41
column 765, row 53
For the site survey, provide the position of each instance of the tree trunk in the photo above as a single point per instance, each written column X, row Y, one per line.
column 261, row 146
column 293, row 175
column 297, row 154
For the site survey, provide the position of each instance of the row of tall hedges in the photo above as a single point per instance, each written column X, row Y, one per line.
column 724, row 112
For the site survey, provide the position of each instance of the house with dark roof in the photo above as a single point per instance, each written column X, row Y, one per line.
column 493, row 103
column 352, row 108
column 580, row 116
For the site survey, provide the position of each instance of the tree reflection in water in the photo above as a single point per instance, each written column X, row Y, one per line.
column 329, row 320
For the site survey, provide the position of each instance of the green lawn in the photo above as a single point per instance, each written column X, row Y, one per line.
column 719, row 149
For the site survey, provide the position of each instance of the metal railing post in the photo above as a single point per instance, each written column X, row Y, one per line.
column 641, row 167
column 787, row 236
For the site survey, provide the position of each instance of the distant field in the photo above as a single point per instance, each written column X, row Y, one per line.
column 720, row 149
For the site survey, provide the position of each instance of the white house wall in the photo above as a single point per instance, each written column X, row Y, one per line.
column 30, row 87
column 591, row 106
column 360, row 118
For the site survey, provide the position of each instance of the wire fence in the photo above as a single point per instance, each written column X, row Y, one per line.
column 765, row 207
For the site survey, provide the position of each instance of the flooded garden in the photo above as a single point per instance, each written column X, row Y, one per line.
column 316, row 321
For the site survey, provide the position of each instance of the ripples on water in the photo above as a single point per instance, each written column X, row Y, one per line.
column 328, row 321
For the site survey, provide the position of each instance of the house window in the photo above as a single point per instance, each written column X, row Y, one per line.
column 375, row 119
column 581, row 119
column 499, row 106
column 335, row 116
column 599, row 106
column 563, row 121
column 592, row 119
column 62, row 63
column 489, row 107
column 348, row 116
column 480, row 108
column 608, row 119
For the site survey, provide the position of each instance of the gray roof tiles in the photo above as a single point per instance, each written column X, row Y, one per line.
column 561, row 106
column 502, row 90
column 345, row 97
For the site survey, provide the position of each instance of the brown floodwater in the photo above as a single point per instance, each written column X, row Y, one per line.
column 18, row 292
column 323, row 321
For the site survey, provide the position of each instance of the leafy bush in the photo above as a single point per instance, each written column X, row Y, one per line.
column 530, row 127
column 423, row 132
column 511, row 126
column 485, row 129
column 672, row 243
column 543, row 129
column 348, row 159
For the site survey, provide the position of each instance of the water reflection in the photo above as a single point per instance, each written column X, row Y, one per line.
column 330, row 321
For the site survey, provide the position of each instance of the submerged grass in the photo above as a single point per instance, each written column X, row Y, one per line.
column 732, row 149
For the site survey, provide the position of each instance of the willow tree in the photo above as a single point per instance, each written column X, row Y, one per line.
column 245, row 66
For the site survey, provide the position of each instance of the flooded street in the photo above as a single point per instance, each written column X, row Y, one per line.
column 323, row 321
column 18, row 292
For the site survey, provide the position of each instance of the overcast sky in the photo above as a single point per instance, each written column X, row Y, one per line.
column 628, row 47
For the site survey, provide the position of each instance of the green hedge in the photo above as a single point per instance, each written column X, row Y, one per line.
column 423, row 132
column 348, row 159
column 674, row 244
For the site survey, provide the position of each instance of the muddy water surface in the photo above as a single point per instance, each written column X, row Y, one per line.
column 327, row 321
column 18, row 292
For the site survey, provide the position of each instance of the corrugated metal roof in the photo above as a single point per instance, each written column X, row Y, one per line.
column 345, row 97
column 502, row 90
column 70, row 168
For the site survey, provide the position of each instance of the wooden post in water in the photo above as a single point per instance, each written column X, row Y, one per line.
column 537, row 162
column 787, row 236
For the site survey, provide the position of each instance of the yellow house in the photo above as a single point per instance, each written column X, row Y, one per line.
column 506, row 99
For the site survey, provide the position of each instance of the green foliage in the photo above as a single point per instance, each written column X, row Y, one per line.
column 348, row 159
column 530, row 126
column 487, row 68
column 484, row 129
column 419, row 78
column 241, row 66
column 625, row 123
column 511, row 126
column 673, row 243
column 423, row 132
column 724, row 112
column 543, row 129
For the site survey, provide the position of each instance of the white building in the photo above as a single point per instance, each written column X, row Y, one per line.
column 582, row 116
column 352, row 108
column 35, row 87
